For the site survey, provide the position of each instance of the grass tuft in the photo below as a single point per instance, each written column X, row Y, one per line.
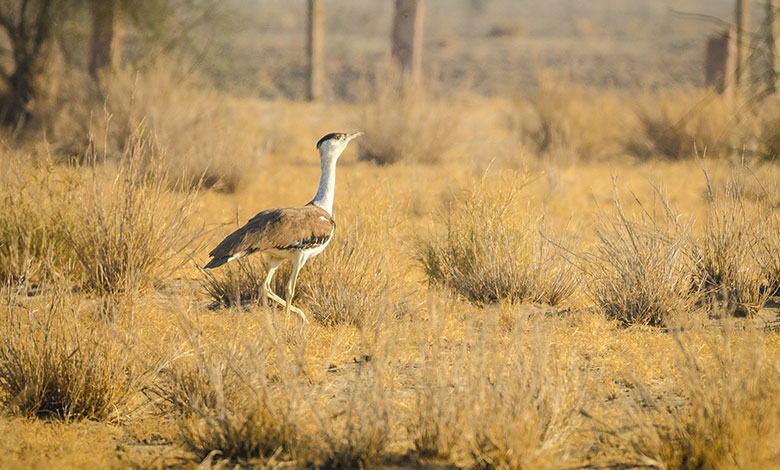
column 727, row 265
column 126, row 229
column 405, row 124
column 481, row 250
column 225, row 402
column 641, row 271
column 725, row 413
column 679, row 124
column 57, row 362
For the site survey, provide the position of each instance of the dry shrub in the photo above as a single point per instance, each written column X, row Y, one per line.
column 481, row 249
column 727, row 416
column 227, row 403
column 32, row 246
column 769, row 144
column 126, row 229
column 641, row 271
column 57, row 361
column 769, row 250
column 574, row 122
column 405, row 123
column 726, row 259
column 523, row 397
column 354, row 424
column 238, row 283
column 680, row 123
column 249, row 399
column 208, row 139
column 438, row 408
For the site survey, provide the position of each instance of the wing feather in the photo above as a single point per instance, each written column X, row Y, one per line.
column 285, row 228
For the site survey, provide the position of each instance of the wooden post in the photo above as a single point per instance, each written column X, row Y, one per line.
column 773, row 42
column 743, row 44
column 104, row 43
column 721, row 61
column 315, row 33
column 407, row 38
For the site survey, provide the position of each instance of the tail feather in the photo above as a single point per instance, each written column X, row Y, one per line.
column 216, row 262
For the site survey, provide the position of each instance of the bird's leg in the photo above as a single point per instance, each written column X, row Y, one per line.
column 265, row 289
column 283, row 303
column 298, row 262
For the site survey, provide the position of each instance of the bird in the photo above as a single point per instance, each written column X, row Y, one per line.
column 295, row 233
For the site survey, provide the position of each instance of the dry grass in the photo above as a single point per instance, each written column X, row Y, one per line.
column 56, row 361
column 572, row 122
column 383, row 378
column 405, row 124
column 128, row 231
column 193, row 128
column 682, row 123
column 226, row 401
column 480, row 250
column 32, row 247
column 726, row 255
column 641, row 271
column 723, row 414
column 523, row 399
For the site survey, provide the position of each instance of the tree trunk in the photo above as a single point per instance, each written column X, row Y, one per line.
column 29, row 30
column 743, row 45
column 20, row 91
column 315, row 77
column 408, row 37
column 104, row 44
column 773, row 42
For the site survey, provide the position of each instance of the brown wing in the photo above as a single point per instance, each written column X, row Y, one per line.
column 288, row 228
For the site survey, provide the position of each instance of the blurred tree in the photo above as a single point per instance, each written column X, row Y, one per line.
column 743, row 44
column 314, row 49
column 408, row 22
column 773, row 20
column 479, row 6
column 29, row 26
column 104, row 42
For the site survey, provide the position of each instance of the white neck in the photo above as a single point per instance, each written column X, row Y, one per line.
column 324, row 196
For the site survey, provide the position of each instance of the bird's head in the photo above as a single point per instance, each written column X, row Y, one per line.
column 333, row 144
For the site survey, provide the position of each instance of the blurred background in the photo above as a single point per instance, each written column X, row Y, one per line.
column 565, row 80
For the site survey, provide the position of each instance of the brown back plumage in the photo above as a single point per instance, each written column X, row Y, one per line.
column 287, row 228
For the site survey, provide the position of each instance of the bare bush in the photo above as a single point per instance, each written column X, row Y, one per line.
column 641, row 271
column 481, row 250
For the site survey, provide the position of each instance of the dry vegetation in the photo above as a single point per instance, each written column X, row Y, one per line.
column 434, row 339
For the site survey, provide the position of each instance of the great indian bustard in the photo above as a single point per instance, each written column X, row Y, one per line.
column 290, row 233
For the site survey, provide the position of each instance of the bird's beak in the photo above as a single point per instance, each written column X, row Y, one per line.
column 353, row 135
